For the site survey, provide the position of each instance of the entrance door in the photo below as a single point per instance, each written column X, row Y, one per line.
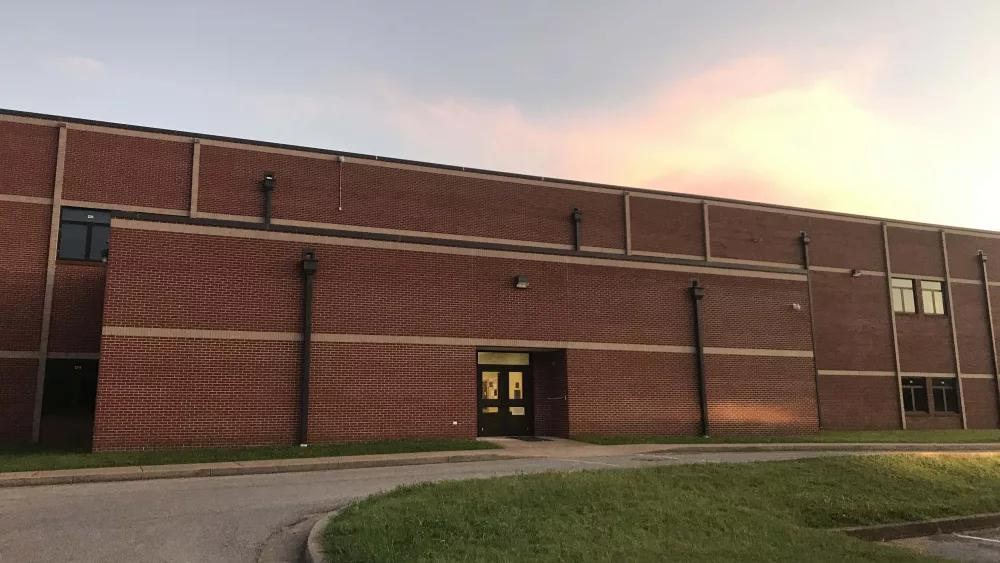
column 505, row 406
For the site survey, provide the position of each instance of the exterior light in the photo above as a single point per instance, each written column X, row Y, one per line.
column 521, row 282
column 267, row 184
column 855, row 273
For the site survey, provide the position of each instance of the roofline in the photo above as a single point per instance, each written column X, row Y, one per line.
column 497, row 173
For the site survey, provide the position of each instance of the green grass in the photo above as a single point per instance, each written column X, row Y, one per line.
column 828, row 437
column 755, row 512
column 28, row 458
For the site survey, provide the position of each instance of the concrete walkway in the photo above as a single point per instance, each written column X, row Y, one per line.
column 553, row 448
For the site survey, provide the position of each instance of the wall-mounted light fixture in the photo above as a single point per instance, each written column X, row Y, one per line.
column 521, row 282
column 855, row 273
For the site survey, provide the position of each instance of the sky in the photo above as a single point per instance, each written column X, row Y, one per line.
column 888, row 108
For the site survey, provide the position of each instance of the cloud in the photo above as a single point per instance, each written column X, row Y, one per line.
column 758, row 128
column 75, row 66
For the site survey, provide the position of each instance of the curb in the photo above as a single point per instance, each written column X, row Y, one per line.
column 225, row 469
column 887, row 532
column 986, row 448
column 314, row 545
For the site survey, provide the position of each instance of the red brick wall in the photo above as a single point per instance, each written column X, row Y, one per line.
column 972, row 325
column 309, row 189
column 859, row 402
column 754, row 313
column 28, row 153
column 963, row 256
column 24, row 228
column 618, row 393
column 980, row 402
column 380, row 391
column 939, row 422
column 108, row 168
column 915, row 252
column 17, row 398
column 760, row 395
column 164, row 392
column 925, row 343
column 550, row 393
column 672, row 227
column 191, row 281
column 229, row 182
column 77, row 306
column 853, row 330
column 774, row 237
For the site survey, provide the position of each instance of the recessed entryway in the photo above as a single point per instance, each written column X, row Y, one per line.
column 68, row 403
column 505, row 398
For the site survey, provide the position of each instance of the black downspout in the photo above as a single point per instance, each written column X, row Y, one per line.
column 309, row 264
column 577, row 216
column 267, row 185
column 697, row 294
column 989, row 317
column 804, row 239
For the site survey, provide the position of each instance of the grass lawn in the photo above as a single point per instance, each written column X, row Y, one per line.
column 828, row 436
column 755, row 512
column 31, row 458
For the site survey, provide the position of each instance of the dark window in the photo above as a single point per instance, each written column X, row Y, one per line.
column 932, row 293
column 903, row 300
column 914, row 394
column 83, row 234
column 945, row 395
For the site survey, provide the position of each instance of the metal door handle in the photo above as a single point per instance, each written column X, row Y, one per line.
column 563, row 398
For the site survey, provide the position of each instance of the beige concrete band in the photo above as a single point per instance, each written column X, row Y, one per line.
column 759, row 263
column 954, row 329
column 892, row 321
column 540, row 182
column 50, row 279
column 667, row 255
column 129, row 133
column 129, row 208
column 74, row 356
column 26, row 199
column 832, row 270
column 362, row 243
column 18, row 354
column 628, row 222
column 857, row 373
column 195, row 172
column 187, row 333
column 707, row 230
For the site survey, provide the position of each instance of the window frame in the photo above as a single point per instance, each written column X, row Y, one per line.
column 915, row 388
column 89, row 225
column 935, row 294
column 902, row 297
column 946, row 385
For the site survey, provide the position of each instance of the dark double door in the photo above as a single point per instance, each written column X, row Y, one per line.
column 505, row 405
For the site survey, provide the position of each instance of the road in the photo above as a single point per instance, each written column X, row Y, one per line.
column 228, row 519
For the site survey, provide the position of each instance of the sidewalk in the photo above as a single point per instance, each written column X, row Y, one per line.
column 513, row 449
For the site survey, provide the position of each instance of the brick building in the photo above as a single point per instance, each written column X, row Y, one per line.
column 156, row 287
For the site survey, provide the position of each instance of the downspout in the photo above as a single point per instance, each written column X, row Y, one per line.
column 308, row 265
column 267, row 185
column 577, row 216
column 989, row 316
column 804, row 239
column 697, row 294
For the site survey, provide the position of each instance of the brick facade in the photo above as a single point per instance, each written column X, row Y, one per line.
column 201, row 319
